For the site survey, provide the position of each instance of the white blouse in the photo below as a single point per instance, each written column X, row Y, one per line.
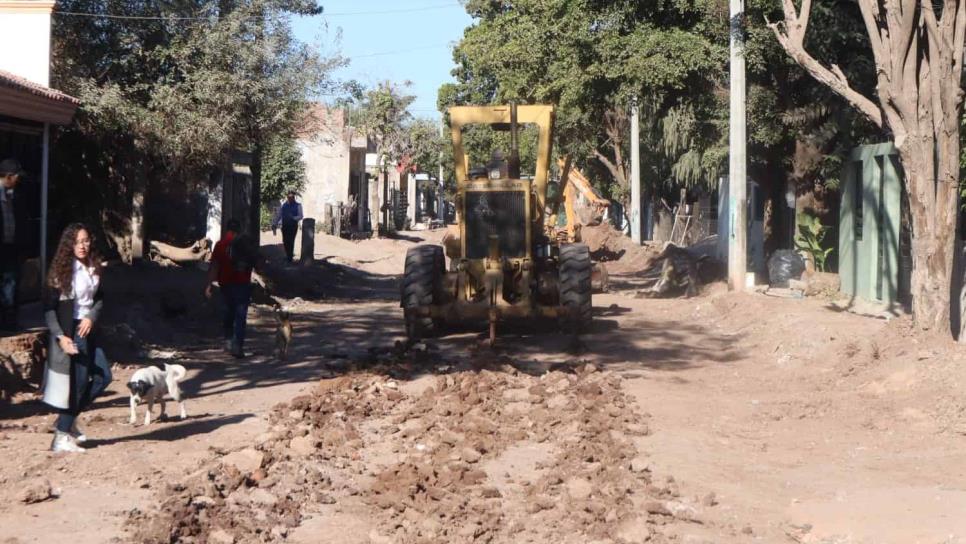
column 85, row 286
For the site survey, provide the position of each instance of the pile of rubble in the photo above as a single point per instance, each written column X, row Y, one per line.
column 620, row 254
column 484, row 454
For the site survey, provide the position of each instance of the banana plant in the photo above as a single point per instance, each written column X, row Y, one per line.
column 809, row 237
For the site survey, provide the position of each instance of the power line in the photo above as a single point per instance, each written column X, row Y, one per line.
column 133, row 17
column 208, row 18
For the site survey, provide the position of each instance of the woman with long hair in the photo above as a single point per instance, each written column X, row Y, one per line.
column 77, row 372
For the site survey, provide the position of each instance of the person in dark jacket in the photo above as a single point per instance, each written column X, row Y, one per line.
column 77, row 371
column 288, row 216
column 13, row 240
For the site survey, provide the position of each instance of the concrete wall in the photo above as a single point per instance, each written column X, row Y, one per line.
column 26, row 39
column 326, row 150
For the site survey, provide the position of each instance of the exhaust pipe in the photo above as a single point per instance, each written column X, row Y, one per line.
column 513, row 164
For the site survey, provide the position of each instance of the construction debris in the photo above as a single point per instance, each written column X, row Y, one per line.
column 473, row 455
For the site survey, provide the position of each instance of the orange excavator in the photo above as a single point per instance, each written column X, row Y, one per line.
column 574, row 182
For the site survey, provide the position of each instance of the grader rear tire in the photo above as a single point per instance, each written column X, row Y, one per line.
column 422, row 278
column 575, row 287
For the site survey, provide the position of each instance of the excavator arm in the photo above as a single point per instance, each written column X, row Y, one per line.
column 573, row 181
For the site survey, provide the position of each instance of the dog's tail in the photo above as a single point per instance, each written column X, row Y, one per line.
column 177, row 372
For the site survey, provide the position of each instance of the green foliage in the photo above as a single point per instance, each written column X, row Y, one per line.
column 283, row 170
column 265, row 217
column 423, row 145
column 168, row 100
column 810, row 236
column 191, row 91
column 590, row 58
column 382, row 114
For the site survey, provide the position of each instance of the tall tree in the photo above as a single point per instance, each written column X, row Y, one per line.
column 382, row 113
column 423, row 145
column 590, row 58
column 918, row 51
column 170, row 97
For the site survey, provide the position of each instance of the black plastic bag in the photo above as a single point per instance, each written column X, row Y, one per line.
column 784, row 265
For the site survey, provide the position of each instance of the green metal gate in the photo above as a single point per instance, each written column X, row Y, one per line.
column 873, row 240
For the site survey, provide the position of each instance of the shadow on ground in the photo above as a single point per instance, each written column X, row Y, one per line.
column 173, row 429
column 334, row 337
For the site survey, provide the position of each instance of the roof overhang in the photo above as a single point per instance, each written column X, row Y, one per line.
column 24, row 99
column 35, row 108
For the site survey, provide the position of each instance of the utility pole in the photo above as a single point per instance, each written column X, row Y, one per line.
column 635, row 173
column 737, row 171
column 440, row 212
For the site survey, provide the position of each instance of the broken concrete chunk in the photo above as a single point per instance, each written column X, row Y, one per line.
column 579, row 488
column 245, row 461
column 220, row 536
column 303, row 445
column 39, row 491
column 470, row 455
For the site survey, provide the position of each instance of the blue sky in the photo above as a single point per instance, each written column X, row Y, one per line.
column 395, row 40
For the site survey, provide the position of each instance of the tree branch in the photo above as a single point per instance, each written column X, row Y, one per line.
column 932, row 26
column 609, row 165
column 833, row 79
column 870, row 15
column 795, row 24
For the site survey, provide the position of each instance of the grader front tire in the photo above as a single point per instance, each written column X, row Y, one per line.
column 576, row 270
column 425, row 266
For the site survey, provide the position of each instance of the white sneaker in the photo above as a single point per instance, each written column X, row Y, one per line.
column 65, row 442
column 78, row 434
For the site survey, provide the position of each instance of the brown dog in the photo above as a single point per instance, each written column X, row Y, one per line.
column 283, row 333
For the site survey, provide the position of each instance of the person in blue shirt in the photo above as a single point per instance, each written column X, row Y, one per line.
column 288, row 217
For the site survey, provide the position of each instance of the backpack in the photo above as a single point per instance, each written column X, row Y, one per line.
column 242, row 253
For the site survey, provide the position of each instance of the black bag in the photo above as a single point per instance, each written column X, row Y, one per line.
column 242, row 253
column 784, row 265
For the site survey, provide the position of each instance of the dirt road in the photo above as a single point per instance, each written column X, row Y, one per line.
column 724, row 418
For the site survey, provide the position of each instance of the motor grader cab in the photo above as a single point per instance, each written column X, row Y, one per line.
column 504, row 259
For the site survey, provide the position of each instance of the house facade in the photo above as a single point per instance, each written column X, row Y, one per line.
column 29, row 109
column 337, row 183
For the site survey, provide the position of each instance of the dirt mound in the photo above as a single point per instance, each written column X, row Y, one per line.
column 609, row 245
column 483, row 454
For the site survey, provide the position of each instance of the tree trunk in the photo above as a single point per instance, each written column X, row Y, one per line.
column 933, row 206
column 918, row 49
column 256, row 194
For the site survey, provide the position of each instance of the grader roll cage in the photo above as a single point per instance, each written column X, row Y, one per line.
column 505, row 258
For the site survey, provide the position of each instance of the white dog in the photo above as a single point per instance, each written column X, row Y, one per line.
column 151, row 384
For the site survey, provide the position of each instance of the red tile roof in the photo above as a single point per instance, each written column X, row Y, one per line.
column 16, row 82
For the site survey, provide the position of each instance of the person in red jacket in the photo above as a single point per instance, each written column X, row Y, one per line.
column 236, row 290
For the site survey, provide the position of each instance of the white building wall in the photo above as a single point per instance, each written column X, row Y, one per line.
column 26, row 39
column 327, row 163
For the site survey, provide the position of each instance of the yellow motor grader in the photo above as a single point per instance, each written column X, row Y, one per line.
column 505, row 260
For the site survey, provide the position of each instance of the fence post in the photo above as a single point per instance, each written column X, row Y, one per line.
column 327, row 219
column 337, row 220
column 308, row 240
